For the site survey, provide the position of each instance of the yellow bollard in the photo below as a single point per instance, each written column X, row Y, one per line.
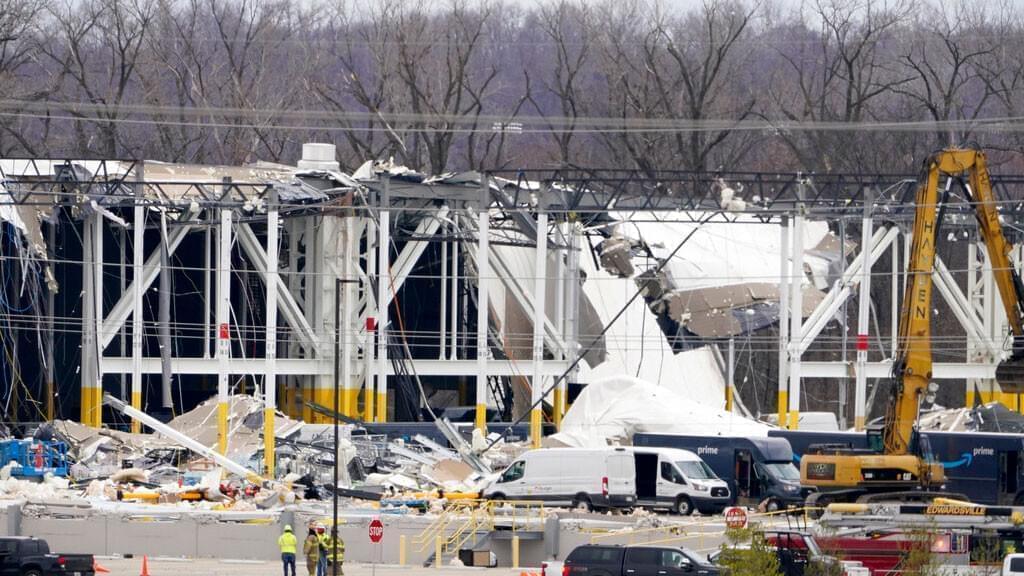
column 401, row 550
column 515, row 551
column 437, row 552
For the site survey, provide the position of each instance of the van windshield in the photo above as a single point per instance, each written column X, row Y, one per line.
column 696, row 470
column 782, row 470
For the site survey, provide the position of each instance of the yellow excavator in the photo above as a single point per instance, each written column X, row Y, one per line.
column 899, row 465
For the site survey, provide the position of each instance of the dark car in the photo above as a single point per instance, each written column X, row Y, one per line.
column 597, row 560
column 22, row 556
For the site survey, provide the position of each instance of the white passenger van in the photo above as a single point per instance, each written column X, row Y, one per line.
column 584, row 478
column 678, row 480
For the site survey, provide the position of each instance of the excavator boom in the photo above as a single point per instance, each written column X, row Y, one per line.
column 913, row 366
column 899, row 466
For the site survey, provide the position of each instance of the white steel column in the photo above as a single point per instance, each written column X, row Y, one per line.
column 138, row 261
column 482, row 305
column 539, row 293
column 97, row 277
column 863, row 326
column 443, row 331
column 572, row 314
column 369, row 350
column 90, row 397
column 453, row 306
column 223, row 327
column 350, row 393
column 894, row 297
column 383, row 287
column 730, row 381
column 207, row 267
column 784, row 297
column 796, row 317
column 270, row 380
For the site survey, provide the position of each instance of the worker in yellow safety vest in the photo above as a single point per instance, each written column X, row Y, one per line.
column 334, row 548
column 288, row 545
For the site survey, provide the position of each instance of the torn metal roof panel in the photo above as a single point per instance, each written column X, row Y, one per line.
column 113, row 182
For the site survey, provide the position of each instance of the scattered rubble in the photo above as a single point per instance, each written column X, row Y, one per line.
column 991, row 417
column 155, row 469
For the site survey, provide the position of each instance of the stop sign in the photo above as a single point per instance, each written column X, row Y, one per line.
column 376, row 530
column 735, row 517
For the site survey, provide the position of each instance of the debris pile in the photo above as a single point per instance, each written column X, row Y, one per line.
column 991, row 417
column 154, row 468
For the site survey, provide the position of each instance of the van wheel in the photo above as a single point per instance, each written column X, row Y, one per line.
column 497, row 496
column 582, row 503
column 772, row 506
column 684, row 507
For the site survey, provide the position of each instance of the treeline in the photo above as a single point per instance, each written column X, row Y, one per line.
column 739, row 84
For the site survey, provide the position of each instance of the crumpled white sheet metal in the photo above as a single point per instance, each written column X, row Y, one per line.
column 616, row 408
column 720, row 253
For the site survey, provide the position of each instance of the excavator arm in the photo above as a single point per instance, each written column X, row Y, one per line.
column 912, row 369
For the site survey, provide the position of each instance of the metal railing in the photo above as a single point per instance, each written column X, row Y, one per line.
column 463, row 520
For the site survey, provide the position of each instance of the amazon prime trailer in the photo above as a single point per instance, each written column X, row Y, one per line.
column 986, row 467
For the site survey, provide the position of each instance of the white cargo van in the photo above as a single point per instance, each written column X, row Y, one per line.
column 677, row 480
column 584, row 478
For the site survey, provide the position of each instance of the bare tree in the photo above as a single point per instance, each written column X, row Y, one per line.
column 18, row 43
column 96, row 50
column 839, row 72
column 354, row 73
column 251, row 35
column 683, row 67
column 568, row 27
column 943, row 58
column 176, row 76
column 1002, row 71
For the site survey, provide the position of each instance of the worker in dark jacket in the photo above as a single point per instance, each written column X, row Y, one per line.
column 321, row 566
column 311, row 550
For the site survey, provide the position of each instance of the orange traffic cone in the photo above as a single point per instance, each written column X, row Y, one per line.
column 145, row 566
column 98, row 568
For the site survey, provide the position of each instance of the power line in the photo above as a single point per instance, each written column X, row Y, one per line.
column 271, row 119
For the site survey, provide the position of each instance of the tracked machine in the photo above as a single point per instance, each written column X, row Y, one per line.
column 899, row 465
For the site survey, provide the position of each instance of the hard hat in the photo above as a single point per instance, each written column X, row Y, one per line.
column 287, row 527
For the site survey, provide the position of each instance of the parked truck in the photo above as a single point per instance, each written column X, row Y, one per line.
column 756, row 469
column 25, row 556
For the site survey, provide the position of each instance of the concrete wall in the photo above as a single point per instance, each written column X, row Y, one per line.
column 161, row 532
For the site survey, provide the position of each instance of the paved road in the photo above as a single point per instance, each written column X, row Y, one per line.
column 209, row 567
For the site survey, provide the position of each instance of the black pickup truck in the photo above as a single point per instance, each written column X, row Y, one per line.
column 23, row 556
column 594, row 560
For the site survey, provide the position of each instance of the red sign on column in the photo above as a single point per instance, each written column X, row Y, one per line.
column 371, row 323
column 224, row 332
